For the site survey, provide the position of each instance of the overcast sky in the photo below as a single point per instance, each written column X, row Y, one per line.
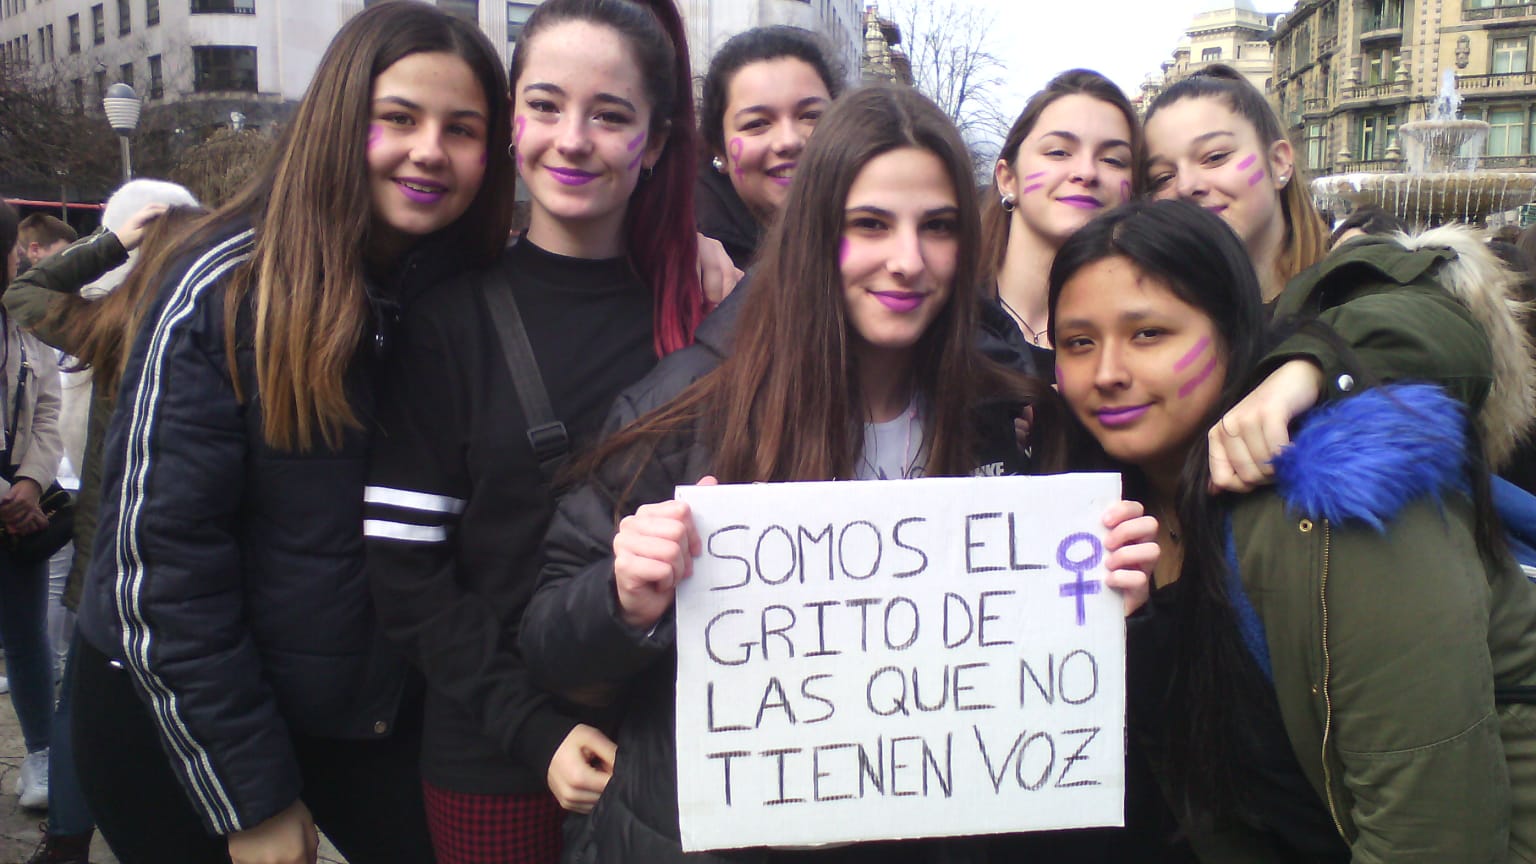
column 1124, row 39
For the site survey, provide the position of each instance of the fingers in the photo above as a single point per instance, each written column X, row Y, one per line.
column 1224, row 477
column 1124, row 511
column 1135, row 586
column 652, row 551
column 581, row 767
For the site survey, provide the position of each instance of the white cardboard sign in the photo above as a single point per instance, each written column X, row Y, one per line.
column 898, row 659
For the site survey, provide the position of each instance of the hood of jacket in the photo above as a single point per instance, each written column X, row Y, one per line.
column 1362, row 459
column 1486, row 287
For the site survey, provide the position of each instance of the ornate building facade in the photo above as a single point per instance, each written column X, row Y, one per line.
column 1348, row 73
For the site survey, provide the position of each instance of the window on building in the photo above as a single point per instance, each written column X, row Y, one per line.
column 1506, row 131
column 1381, row 65
column 468, row 10
column 1376, row 134
column 74, row 34
column 1509, row 55
column 1210, row 55
column 100, row 80
column 98, row 24
column 124, row 18
column 224, row 67
column 42, row 46
column 223, row 7
column 77, row 90
column 517, row 16
column 156, row 84
column 51, row 54
column 125, row 74
column 151, row 12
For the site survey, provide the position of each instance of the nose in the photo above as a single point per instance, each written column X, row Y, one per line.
column 905, row 260
column 788, row 140
column 575, row 138
column 1110, row 372
column 1189, row 185
column 1085, row 169
column 427, row 145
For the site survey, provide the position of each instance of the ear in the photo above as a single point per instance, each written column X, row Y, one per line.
column 1007, row 181
column 1282, row 163
column 655, row 145
column 34, row 251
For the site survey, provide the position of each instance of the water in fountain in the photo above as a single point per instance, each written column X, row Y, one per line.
column 1442, row 182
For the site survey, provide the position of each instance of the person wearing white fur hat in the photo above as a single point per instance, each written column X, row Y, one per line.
column 47, row 300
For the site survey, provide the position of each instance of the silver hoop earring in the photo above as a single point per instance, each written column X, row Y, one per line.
column 1008, row 203
column 645, row 174
column 512, row 150
column 718, row 164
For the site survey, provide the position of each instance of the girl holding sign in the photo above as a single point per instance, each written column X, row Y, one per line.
column 861, row 365
column 1350, row 655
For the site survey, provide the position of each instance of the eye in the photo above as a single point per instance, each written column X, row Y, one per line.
column 396, row 118
column 756, row 124
column 1216, row 158
column 613, row 118
column 1117, row 162
column 1074, row 344
column 1057, row 153
column 464, row 130
column 1158, row 181
column 944, row 226
column 866, row 224
column 543, row 106
column 811, row 116
column 1150, row 334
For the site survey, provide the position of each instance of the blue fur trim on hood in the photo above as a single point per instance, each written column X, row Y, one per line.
column 1364, row 458
column 1249, row 625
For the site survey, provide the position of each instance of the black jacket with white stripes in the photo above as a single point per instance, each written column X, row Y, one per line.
column 228, row 576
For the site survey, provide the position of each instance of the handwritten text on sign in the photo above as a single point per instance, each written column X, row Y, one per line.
column 904, row 658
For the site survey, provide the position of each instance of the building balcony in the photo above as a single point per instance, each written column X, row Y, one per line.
column 1374, row 166
column 1483, row 85
column 1314, row 107
column 1507, row 163
column 1381, row 27
column 1374, row 92
column 1520, row 10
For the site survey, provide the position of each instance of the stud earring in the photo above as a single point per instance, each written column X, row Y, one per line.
column 1008, row 203
column 718, row 164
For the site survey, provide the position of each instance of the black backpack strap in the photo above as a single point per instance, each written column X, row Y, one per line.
column 551, row 444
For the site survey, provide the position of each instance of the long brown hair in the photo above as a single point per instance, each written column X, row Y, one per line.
column 312, row 210
column 97, row 332
column 1073, row 82
column 785, row 405
column 1306, row 235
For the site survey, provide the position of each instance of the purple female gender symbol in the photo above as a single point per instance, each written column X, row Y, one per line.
column 1080, row 588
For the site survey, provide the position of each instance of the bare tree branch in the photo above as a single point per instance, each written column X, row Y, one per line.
column 954, row 63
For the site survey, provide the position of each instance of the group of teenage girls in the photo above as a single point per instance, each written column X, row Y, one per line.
column 334, row 585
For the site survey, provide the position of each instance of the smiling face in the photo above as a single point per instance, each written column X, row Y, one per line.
column 426, row 148
column 771, row 108
column 899, row 249
column 1140, row 368
column 1200, row 150
column 1074, row 163
column 581, row 129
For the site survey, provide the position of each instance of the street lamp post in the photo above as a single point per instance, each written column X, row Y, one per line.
column 122, row 107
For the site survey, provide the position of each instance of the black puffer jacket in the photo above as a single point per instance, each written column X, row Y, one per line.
column 574, row 641
column 228, row 576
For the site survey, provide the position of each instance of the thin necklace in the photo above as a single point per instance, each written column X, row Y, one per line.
column 1034, row 335
column 872, row 460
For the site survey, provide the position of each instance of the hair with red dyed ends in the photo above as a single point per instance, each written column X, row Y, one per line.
column 659, row 227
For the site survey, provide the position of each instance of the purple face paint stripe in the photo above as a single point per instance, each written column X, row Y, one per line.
column 635, row 163
column 1257, row 178
column 1037, row 175
column 1191, row 384
column 1032, row 188
column 734, row 150
column 1248, row 163
column 842, row 251
column 375, row 132
column 635, row 144
column 521, row 123
column 1193, row 355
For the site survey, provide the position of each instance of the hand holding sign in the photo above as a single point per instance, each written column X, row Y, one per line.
column 1133, row 552
column 652, row 552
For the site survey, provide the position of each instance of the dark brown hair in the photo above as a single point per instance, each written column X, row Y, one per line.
column 1074, row 82
column 759, row 45
column 46, row 230
column 312, row 209
column 1306, row 236
column 785, row 404
column 659, row 226
column 97, row 332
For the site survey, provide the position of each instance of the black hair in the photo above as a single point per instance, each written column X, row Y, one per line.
column 1198, row 257
column 755, row 46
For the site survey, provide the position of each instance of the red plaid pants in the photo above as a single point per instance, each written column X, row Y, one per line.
column 468, row 828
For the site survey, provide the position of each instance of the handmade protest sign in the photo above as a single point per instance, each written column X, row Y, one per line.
column 900, row 658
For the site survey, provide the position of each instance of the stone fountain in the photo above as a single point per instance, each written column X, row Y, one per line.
column 1442, row 182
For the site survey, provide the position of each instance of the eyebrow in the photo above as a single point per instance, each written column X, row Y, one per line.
column 1115, row 142
column 803, row 103
column 556, row 90
column 1132, row 316
column 412, row 106
column 871, row 209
